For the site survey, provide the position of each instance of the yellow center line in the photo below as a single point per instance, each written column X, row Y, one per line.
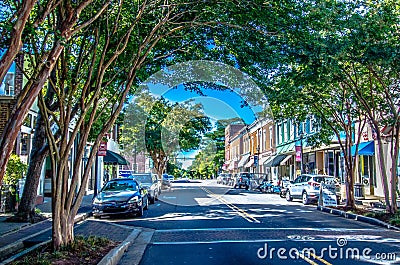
column 320, row 259
column 238, row 210
column 307, row 259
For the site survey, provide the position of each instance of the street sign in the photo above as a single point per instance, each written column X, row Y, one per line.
column 102, row 149
column 256, row 160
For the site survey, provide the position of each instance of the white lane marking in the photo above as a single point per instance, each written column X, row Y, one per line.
column 327, row 229
column 256, row 241
column 227, row 241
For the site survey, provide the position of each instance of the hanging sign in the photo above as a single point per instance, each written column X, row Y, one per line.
column 298, row 153
column 102, row 149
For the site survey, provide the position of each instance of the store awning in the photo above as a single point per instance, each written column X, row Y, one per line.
column 286, row 148
column 264, row 159
column 364, row 148
column 243, row 160
column 275, row 161
column 113, row 158
column 268, row 161
column 250, row 163
column 285, row 160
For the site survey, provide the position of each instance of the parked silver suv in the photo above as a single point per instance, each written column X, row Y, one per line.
column 306, row 187
column 150, row 182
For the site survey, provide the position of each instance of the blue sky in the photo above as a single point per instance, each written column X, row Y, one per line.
column 218, row 104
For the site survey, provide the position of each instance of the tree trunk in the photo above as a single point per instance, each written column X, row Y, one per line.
column 350, row 201
column 382, row 170
column 26, row 209
column 393, row 172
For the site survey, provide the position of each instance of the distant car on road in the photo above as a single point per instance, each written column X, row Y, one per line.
column 167, row 180
column 120, row 196
column 149, row 182
column 306, row 187
column 182, row 180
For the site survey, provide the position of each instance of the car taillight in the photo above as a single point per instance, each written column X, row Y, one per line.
column 313, row 184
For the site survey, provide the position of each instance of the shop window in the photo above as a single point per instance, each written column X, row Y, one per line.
column 24, row 144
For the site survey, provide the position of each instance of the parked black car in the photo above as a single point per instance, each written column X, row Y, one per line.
column 243, row 180
column 121, row 196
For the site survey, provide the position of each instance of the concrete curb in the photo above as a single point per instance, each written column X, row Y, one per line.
column 113, row 257
column 357, row 217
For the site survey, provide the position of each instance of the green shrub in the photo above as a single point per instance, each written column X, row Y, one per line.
column 15, row 170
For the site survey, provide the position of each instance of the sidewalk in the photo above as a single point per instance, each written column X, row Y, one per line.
column 45, row 209
column 16, row 236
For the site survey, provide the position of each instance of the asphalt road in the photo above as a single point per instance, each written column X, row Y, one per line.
column 208, row 223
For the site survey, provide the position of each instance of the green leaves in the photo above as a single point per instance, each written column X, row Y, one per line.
column 156, row 125
column 15, row 170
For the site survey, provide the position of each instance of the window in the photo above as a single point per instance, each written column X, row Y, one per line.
column 264, row 141
column 24, row 144
column 285, row 132
column 308, row 126
column 278, row 133
column 8, row 84
column 300, row 129
column 270, row 137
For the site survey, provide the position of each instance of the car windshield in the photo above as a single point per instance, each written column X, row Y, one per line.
column 120, row 185
column 142, row 178
column 326, row 180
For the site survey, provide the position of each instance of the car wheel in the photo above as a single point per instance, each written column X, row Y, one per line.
column 288, row 197
column 151, row 200
column 235, row 187
column 305, row 198
column 156, row 197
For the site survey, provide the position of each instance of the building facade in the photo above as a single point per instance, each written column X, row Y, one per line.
column 281, row 150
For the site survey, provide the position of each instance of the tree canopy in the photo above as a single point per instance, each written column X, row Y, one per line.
column 162, row 128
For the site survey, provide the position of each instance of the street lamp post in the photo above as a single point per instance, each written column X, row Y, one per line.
column 256, row 159
column 301, row 153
